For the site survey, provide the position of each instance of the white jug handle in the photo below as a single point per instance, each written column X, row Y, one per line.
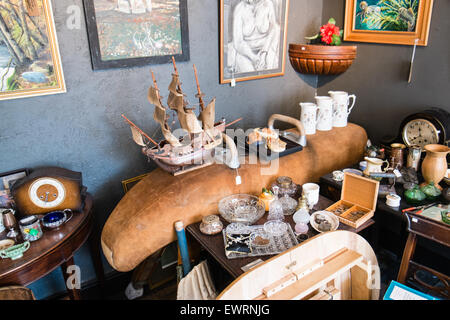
column 353, row 104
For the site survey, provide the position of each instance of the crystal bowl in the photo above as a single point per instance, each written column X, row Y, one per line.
column 241, row 208
column 275, row 228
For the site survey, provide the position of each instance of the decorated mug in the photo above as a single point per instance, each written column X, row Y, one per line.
column 309, row 117
column 325, row 116
column 341, row 110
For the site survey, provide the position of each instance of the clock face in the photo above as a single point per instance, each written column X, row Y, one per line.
column 47, row 193
column 420, row 132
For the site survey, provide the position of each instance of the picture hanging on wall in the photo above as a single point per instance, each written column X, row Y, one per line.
column 388, row 21
column 128, row 33
column 7, row 180
column 30, row 64
column 252, row 39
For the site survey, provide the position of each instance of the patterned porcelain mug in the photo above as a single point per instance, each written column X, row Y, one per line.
column 341, row 111
column 325, row 116
column 309, row 117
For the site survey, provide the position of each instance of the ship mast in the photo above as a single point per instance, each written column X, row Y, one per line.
column 199, row 94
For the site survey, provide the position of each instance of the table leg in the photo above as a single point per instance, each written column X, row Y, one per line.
column 75, row 294
column 94, row 244
column 407, row 255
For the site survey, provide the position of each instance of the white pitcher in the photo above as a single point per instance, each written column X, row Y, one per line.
column 308, row 117
column 325, row 116
column 341, row 101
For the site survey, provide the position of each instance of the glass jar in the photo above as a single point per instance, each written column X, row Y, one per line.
column 30, row 228
column 286, row 186
column 275, row 207
column 288, row 205
column 211, row 225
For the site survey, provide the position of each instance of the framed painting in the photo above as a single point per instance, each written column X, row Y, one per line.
column 388, row 21
column 30, row 64
column 252, row 39
column 128, row 33
column 130, row 183
column 7, row 180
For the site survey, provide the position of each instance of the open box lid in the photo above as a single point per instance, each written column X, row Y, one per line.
column 360, row 191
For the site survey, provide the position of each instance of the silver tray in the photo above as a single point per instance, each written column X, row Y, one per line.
column 278, row 244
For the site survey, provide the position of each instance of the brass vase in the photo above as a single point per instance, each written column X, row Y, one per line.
column 434, row 166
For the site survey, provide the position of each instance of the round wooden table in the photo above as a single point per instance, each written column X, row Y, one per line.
column 55, row 248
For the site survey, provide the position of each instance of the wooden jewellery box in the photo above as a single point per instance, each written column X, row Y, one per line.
column 358, row 195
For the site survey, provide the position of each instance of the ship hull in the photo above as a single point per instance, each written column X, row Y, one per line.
column 196, row 152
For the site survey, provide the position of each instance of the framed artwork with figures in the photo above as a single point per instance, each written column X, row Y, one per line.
column 388, row 21
column 252, row 39
column 128, row 33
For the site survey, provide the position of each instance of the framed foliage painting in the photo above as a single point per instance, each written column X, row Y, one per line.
column 252, row 39
column 128, row 33
column 30, row 64
column 388, row 21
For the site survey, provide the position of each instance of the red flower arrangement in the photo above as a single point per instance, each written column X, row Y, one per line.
column 330, row 34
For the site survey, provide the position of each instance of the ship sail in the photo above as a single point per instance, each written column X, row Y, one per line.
column 175, row 101
column 208, row 115
column 137, row 137
column 160, row 116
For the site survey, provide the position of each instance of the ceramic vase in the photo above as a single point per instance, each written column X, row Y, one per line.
column 309, row 117
column 325, row 115
column 341, row 110
column 434, row 166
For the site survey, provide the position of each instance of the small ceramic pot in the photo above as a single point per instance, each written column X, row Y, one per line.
column 338, row 175
column 393, row 200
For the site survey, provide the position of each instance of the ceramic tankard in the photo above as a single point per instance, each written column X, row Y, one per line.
column 309, row 117
column 341, row 110
column 325, row 116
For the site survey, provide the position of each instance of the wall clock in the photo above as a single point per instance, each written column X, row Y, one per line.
column 430, row 126
column 48, row 189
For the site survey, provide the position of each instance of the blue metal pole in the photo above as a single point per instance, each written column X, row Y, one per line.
column 182, row 244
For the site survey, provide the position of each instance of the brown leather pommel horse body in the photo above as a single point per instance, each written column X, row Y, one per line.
column 143, row 221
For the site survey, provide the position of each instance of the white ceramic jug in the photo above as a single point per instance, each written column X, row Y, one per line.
column 341, row 101
column 325, row 116
column 308, row 117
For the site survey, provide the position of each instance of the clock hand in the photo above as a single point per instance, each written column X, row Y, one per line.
column 46, row 196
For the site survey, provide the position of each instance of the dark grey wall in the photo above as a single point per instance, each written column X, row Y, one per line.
column 82, row 129
column 379, row 75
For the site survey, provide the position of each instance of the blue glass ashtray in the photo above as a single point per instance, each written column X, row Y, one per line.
column 55, row 219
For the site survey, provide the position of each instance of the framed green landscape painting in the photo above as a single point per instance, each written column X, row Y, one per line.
column 30, row 64
column 388, row 21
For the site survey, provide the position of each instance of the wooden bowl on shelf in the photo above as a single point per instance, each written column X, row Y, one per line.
column 321, row 60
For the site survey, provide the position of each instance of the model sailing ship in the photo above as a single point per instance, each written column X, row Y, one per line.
column 202, row 134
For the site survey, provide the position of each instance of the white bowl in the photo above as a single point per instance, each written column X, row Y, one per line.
column 330, row 217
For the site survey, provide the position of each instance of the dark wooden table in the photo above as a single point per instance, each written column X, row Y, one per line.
column 420, row 226
column 55, row 248
column 215, row 245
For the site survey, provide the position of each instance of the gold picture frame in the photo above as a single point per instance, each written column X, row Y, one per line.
column 375, row 22
column 129, row 183
column 30, row 62
column 267, row 63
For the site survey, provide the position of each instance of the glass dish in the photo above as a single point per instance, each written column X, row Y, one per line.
column 241, row 208
column 275, row 228
column 259, row 239
column 211, row 225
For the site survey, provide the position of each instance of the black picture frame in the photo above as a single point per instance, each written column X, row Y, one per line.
column 6, row 199
column 94, row 45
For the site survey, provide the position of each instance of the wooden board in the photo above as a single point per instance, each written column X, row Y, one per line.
column 339, row 250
